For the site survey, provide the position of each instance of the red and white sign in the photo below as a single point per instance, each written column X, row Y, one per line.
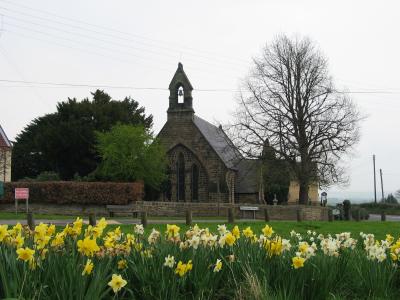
column 21, row 193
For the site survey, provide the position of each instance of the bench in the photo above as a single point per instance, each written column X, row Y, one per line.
column 254, row 209
column 122, row 209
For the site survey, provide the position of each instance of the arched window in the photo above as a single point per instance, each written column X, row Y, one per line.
column 181, row 95
column 180, row 169
column 195, row 183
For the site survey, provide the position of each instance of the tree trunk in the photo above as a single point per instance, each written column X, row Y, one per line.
column 303, row 193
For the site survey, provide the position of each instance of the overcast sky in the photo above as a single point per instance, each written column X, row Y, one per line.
column 139, row 43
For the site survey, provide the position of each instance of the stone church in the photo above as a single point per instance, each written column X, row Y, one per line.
column 203, row 163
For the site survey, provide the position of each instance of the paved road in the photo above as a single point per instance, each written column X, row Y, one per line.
column 392, row 218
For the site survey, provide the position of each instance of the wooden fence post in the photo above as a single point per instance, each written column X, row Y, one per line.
column 299, row 215
column 92, row 219
column 231, row 216
column 266, row 215
column 188, row 217
column 30, row 220
column 143, row 218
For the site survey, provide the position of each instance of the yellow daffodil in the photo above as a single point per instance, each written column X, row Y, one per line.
column 122, row 264
column 230, row 239
column 87, row 270
column 32, row 264
column 25, row 254
column 172, row 231
column 267, row 231
column 217, row 266
column 58, row 240
column 88, row 246
column 298, row 262
column 18, row 241
column 43, row 253
column 117, row 283
column 3, row 232
column 236, row 232
column 248, row 232
column 182, row 269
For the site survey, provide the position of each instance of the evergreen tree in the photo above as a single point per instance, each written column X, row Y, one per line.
column 64, row 142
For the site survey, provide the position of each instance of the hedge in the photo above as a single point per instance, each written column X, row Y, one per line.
column 70, row 192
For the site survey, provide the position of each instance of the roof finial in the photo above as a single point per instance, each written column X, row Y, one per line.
column 180, row 66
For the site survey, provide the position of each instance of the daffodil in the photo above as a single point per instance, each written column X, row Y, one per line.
column 88, row 246
column 267, row 231
column 236, row 232
column 117, row 283
column 87, row 270
column 172, row 231
column 298, row 262
column 169, row 261
column 217, row 266
column 58, row 240
column 122, row 264
column 230, row 239
column 25, row 254
column 43, row 253
column 3, row 232
column 182, row 269
column 248, row 232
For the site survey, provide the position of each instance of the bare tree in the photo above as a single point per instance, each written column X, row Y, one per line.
column 289, row 101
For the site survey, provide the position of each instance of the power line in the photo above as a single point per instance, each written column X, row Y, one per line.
column 155, row 43
column 142, row 50
column 48, row 83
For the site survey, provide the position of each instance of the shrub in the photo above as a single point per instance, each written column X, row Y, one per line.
column 68, row 192
column 346, row 208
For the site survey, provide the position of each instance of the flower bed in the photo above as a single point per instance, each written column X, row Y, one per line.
column 95, row 263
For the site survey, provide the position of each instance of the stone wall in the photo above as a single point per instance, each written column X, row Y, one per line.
column 279, row 212
column 178, row 209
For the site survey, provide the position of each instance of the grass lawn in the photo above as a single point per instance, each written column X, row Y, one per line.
column 283, row 228
column 22, row 216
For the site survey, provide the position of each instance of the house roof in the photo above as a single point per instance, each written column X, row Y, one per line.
column 247, row 176
column 220, row 142
column 4, row 141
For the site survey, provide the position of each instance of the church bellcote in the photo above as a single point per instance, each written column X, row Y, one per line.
column 180, row 96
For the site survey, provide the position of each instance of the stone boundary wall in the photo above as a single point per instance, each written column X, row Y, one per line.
column 178, row 209
column 278, row 212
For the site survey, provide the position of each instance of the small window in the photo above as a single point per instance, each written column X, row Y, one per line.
column 180, row 168
column 195, row 183
column 181, row 95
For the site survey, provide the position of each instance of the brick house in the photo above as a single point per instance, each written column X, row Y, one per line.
column 5, row 157
column 204, row 164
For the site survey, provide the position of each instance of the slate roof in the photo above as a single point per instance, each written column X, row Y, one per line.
column 247, row 169
column 247, row 176
column 220, row 142
column 4, row 141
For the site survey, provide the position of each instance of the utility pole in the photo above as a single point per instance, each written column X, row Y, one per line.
column 373, row 159
column 383, row 194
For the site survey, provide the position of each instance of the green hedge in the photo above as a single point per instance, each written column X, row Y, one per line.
column 70, row 192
